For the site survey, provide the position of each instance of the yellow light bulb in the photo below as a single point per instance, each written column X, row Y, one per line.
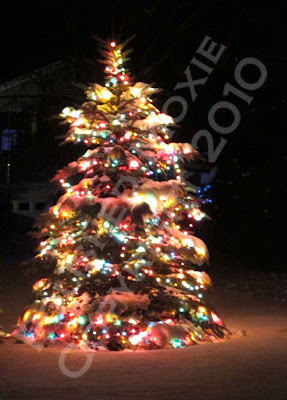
column 135, row 92
column 26, row 315
column 106, row 94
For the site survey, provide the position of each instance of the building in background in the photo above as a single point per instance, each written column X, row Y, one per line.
column 29, row 199
column 28, row 145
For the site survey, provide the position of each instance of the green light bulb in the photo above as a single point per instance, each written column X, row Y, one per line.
column 82, row 320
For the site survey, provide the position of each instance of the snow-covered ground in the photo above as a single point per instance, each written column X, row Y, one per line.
column 250, row 365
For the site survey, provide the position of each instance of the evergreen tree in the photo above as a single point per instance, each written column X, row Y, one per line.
column 128, row 271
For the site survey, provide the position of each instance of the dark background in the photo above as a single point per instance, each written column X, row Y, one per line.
column 248, row 211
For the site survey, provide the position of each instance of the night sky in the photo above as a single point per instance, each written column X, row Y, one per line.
column 34, row 34
column 250, row 188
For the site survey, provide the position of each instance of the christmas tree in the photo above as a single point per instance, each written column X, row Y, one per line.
column 128, row 271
